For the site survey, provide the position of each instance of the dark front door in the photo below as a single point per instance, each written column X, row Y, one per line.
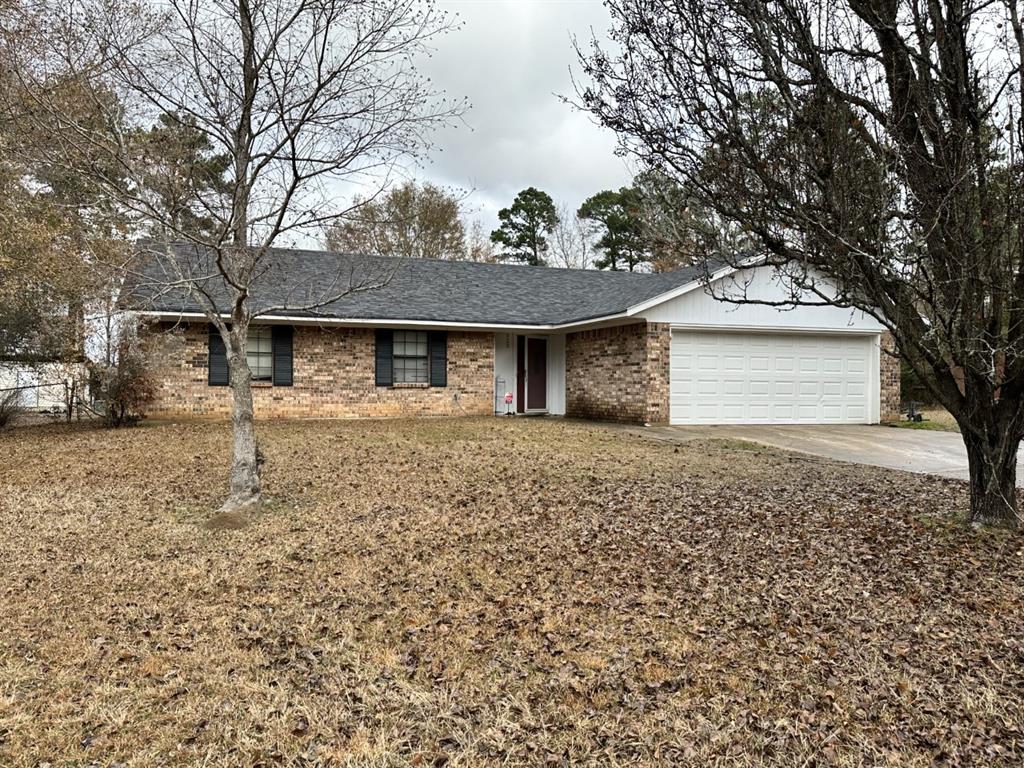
column 536, row 374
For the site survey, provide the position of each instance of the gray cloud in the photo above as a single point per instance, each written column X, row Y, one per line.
column 511, row 58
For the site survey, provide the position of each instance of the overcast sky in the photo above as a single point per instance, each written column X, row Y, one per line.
column 511, row 59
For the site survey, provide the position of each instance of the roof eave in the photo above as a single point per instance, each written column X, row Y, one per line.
column 392, row 323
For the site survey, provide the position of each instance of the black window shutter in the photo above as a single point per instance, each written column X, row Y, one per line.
column 281, row 340
column 385, row 363
column 437, row 346
column 217, row 360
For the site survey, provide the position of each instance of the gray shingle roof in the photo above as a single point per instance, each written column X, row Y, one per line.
column 408, row 289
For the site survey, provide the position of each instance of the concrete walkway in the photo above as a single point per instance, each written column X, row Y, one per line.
column 911, row 450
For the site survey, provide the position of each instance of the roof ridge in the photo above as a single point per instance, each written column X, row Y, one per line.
column 420, row 260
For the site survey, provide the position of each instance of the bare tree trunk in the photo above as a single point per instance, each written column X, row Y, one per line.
column 993, row 470
column 245, row 491
column 69, row 399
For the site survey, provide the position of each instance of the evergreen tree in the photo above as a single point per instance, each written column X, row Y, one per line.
column 616, row 221
column 526, row 226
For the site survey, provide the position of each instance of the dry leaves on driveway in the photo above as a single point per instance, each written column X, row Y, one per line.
column 495, row 592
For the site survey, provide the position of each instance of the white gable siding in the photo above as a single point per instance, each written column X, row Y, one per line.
column 699, row 309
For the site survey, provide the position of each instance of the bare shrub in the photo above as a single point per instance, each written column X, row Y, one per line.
column 10, row 406
column 127, row 386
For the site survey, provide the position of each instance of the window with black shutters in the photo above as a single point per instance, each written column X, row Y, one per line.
column 410, row 357
column 268, row 350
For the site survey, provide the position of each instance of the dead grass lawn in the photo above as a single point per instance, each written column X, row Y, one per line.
column 491, row 592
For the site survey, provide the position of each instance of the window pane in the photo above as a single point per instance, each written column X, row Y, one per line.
column 261, row 366
column 410, row 370
column 259, row 353
column 408, row 342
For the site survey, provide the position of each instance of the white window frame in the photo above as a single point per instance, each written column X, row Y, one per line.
column 400, row 373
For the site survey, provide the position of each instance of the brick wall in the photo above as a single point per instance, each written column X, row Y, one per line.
column 889, row 375
column 333, row 378
column 659, row 350
column 618, row 373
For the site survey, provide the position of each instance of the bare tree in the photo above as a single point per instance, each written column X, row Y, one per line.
column 479, row 247
column 415, row 221
column 869, row 149
column 569, row 244
column 300, row 97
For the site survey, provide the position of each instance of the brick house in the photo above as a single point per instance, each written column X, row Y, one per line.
column 451, row 338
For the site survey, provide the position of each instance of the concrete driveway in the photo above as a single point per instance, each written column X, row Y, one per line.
column 911, row 450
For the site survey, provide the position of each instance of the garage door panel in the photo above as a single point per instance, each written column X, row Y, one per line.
column 859, row 414
column 832, row 388
column 783, row 388
column 760, row 387
column 807, row 412
column 782, row 412
column 809, row 389
column 733, row 387
column 679, row 411
column 708, row 363
column 722, row 378
column 734, row 411
column 707, row 386
column 759, row 411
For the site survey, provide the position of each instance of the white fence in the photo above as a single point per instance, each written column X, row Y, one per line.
column 40, row 388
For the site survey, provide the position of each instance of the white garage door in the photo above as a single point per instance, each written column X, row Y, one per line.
column 754, row 378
